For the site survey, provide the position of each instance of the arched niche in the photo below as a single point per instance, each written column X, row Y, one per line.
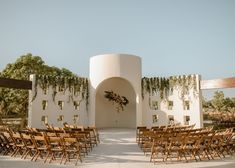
column 106, row 114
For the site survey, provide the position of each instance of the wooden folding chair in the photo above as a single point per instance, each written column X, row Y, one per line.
column 41, row 147
column 29, row 145
column 55, row 148
column 158, row 149
column 174, row 148
column 191, row 147
column 72, row 149
column 141, row 136
column 147, row 141
column 96, row 133
column 6, row 143
column 19, row 147
column 227, row 141
column 205, row 148
column 88, row 140
column 139, row 131
column 92, row 136
column 84, row 143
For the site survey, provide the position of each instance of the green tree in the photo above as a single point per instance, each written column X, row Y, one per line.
column 218, row 101
column 15, row 101
column 206, row 104
column 228, row 104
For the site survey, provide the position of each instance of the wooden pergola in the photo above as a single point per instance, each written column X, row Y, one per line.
column 218, row 83
column 15, row 83
column 205, row 84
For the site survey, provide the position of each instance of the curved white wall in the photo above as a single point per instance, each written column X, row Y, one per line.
column 107, row 66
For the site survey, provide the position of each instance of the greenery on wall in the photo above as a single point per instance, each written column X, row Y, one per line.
column 163, row 86
column 155, row 85
column 75, row 85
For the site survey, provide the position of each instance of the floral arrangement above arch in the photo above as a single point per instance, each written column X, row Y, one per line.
column 120, row 101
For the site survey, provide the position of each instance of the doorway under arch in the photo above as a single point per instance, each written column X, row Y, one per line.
column 106, row 114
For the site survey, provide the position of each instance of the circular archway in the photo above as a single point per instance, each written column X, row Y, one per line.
column 106, row 114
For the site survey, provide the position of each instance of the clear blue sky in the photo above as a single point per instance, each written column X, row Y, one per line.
column 173, row 37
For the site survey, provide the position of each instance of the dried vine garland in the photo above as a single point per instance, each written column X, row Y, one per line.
column 162, row 86
column 75, row 85
column 155, row 85
column 121, row 101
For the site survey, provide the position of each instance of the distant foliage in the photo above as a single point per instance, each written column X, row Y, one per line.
column 219, row 109
column 219, row 103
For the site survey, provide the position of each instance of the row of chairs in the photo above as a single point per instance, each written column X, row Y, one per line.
column 164, row 128
column 91, row 132
column 189, row 144
column 68, row 127
column 47, row 144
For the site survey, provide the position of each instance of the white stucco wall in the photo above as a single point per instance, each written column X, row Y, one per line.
column 53, row 111
column 107, row 66
column 195, row 111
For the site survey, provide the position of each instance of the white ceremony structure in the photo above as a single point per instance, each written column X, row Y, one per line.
column 120, row 74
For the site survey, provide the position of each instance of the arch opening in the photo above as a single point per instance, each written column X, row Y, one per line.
column 106, row 114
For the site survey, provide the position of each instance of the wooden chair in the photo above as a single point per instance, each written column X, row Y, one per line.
column 91, row 136
column 88, row 139
column 228, row 139
column 206, row 149
column 174, row 149
column 191, row 147
column 139, row 130
column 158, row 150
column 55, row 148
column 146, row 142
column 141, row 137
column 19, row 147
column 29, row 145
column 41, row 147
column 94, row 135
column 72, row 149
column 84, row 142
column 217, row 147
column 6, row 144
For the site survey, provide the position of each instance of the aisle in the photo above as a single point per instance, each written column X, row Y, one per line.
column 117, row 149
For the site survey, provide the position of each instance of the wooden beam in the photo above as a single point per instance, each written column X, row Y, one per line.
column 218, row 83
column 16, row 84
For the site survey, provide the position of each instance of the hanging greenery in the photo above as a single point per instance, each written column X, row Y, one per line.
column 121, row 101
column 155, row 85
column 162, row 86
column 184, row 84
column 75, row 85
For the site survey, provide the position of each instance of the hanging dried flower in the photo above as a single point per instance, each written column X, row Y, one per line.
column 121, row 101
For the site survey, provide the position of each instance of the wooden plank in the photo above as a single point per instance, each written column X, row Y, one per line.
column 218, row 83
column 16, row 84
